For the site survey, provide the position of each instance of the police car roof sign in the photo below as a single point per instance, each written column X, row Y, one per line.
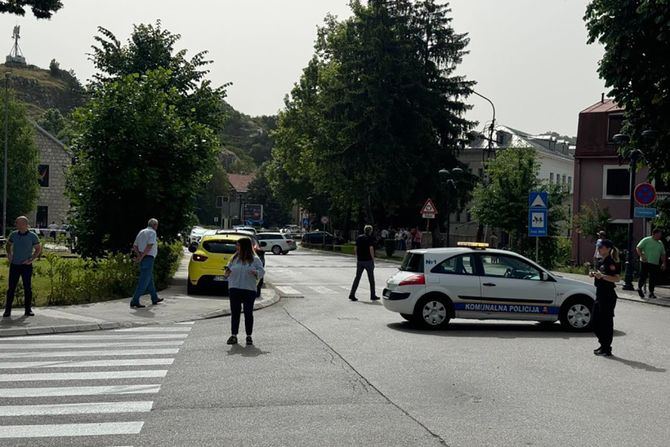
column 429, row 208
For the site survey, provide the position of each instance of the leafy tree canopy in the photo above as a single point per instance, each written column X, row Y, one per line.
column 376, row 113
column 147, row 141
column 42, row 9
column 503, row 202
column 137, row 158
column 151, row 47
column 636, row 66
column 22, row 161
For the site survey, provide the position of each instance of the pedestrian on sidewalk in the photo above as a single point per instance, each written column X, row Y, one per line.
column 365, row 260
column 244, row 271
column 23, row 247
column 606, row 276
column 146, row 250
column 652, row 261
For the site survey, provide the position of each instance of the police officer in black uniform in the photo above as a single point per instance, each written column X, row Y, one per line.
column 606, row 276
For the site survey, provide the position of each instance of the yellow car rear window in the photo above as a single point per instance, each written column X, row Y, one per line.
column 219, row 246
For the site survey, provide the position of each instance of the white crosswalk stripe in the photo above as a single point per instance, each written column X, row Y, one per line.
column 46, row 379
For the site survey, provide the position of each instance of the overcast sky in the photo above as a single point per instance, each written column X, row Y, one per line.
column 530, row 57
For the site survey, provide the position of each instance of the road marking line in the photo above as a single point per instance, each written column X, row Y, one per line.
column 80, row 391
column 99, row 375
column 86, row 363
column 74, row 344
column 154, row 329
column 67, row 430
column 79, row 408
column 187, row 322
column 106, row 353
column 108, row 337
column 287, row 290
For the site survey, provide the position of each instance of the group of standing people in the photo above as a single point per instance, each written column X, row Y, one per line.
column 404, row 239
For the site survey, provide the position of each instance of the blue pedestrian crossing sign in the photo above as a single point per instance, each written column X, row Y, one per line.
column 538, row 214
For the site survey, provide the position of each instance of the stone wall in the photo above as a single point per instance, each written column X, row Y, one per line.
column 54, row 155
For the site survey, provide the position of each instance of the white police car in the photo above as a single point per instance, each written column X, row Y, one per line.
column 472, row 281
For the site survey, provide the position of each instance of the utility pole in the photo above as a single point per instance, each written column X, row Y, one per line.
column 4, row 180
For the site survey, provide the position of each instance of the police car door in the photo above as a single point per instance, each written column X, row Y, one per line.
column 457, row 279
column 512, row 288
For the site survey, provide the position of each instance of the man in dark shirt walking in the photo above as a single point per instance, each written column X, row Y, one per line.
column 365, row 260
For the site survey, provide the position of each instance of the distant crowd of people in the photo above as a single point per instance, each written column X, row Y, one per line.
column 404, row 239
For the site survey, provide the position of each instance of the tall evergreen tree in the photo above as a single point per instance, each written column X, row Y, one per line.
column 385, row 111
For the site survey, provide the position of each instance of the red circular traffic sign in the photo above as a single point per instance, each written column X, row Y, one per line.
column 645, row 194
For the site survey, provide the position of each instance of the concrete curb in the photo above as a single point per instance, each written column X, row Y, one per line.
column 88, row 327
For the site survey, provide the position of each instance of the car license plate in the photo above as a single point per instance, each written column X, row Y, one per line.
column 220, row 278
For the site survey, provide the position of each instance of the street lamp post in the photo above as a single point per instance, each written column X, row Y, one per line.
column 4, row 179
column 634, row 156
column 449, row 177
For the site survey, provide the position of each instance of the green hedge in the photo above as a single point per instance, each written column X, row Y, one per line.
column 58, row 280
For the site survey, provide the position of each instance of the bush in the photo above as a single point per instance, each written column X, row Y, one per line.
column 73, row 281
column 167, row 262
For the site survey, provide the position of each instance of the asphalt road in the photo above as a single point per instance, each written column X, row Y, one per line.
column 326, row 371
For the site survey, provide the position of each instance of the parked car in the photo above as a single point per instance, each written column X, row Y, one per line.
column 197, row 233
column 321, row 237
column 245, row 228
column 436, row 285
column 277, row 243
column 211, row 255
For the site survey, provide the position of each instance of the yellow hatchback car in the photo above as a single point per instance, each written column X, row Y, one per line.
column 209, row 258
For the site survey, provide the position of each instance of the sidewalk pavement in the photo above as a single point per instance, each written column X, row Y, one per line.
column 177, row 307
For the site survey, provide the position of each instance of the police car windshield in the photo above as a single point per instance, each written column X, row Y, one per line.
column 413, row 262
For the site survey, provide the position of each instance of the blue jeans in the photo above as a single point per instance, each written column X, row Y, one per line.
column 146, row 282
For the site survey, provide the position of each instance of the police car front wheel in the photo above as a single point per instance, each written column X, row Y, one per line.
column 432, row 312
column 576, row 314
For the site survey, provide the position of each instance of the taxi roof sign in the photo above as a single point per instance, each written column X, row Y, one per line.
column 480, row 245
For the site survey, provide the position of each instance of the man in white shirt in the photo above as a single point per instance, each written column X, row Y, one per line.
column 146, row 249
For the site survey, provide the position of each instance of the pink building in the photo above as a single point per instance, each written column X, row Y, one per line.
column 600, row 177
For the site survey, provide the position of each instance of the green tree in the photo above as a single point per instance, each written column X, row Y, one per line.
column 22, row 161
column 146, row 143
column 636, row 66
column 137, row 157
column 151, row 47
column 274, row 212
column 206, row 201
column 503, row 202
column 378, row 102
column 42, row 9
column 52, row 121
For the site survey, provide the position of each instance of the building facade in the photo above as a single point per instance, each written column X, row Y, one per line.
column 602, row 178
column 556, row 167
column 54, row 162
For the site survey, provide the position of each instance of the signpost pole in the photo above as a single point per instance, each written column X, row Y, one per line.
column 537, row 250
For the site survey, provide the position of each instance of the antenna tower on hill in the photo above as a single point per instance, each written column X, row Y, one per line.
column 16, row 55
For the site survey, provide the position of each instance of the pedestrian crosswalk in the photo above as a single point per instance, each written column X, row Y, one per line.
column 79, row 386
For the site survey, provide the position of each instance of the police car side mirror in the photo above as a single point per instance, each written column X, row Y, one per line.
column 544, row 276
column 193, row 247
